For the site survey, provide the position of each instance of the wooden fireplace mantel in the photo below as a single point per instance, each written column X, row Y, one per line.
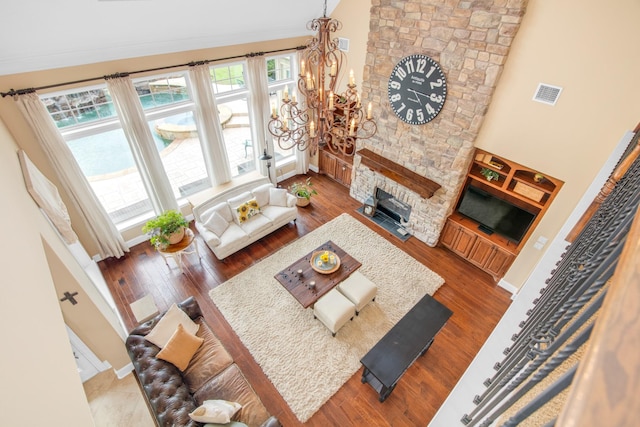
column 403, row 176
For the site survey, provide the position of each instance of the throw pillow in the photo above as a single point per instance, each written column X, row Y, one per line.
column 162, row 332
column 278, row 197
column 217, row 224
column 247, row 210
column 215, row 411
column 180, row 348
column 261, row 194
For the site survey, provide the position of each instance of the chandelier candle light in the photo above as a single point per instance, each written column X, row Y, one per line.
column 323, row 118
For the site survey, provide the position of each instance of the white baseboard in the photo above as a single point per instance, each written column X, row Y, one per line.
column 124, row 371
column 509, row 287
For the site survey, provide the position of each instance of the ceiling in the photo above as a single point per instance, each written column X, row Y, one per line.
column 44, row 34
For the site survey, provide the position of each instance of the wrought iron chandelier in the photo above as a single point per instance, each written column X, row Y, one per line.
column 323, row 117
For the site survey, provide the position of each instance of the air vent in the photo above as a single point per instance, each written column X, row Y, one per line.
column 343, row 44
column 547, row 94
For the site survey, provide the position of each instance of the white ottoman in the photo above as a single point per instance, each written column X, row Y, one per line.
column 333, row 310
column 358, row 289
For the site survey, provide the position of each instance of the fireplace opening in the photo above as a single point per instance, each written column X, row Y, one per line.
column 392, row 207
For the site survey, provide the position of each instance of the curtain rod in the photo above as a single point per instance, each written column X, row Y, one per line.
column 13, row 92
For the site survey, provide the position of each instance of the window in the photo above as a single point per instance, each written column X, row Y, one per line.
column 280, row 72
column 89, row 124
column 169, row 111
column 231, row 93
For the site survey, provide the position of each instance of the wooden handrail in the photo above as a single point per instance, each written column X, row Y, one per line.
column 606, row 189
column 606, row 388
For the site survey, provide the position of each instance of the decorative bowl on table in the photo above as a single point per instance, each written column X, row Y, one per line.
column 325, row 262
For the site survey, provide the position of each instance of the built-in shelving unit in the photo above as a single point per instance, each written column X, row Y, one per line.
column 518, row 184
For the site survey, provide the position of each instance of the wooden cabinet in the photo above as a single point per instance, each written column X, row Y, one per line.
column 336, row 167
column 486, row 254
column 510, row 181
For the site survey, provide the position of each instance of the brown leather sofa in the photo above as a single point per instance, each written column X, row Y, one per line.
column 211, row 374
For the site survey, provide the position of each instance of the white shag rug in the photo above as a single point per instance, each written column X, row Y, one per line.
column 298, row 354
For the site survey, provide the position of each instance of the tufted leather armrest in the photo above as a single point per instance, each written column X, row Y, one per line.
column 164, row 387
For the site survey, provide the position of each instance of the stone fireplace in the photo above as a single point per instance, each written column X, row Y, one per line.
column 470, row 40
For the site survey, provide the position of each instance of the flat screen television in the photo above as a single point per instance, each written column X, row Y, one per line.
column 495, row 214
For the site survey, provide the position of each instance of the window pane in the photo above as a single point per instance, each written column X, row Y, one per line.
column 279, row 68
column 228, row 78
column 181, row 153
column 79, row 107
column 236, row 130
column 107, row 162
column 162, row 91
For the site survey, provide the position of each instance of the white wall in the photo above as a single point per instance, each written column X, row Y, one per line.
column 40, row 383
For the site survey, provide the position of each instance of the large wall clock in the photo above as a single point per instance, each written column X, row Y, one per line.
column 417, row 89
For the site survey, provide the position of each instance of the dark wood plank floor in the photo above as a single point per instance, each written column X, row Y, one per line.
column 476, row 301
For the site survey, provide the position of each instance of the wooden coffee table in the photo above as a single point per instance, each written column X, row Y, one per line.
column 298, row 285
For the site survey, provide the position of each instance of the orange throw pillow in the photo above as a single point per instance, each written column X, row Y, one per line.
column 180, row 349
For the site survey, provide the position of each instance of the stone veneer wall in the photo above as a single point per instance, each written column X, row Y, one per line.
column 471, row 41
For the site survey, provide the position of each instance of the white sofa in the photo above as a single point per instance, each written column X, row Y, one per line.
column 228, row 223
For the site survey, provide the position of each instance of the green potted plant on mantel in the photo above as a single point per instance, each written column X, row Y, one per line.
column 303, row 192
column 166, row 229
column 491, row 175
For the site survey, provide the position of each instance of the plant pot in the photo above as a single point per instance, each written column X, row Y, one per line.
column 176, row 237
column 302, row 201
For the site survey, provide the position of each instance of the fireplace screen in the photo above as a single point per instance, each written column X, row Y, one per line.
column 394, row 208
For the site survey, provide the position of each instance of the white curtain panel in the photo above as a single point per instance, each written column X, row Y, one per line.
column 209, row 128
column 302, row 157
column 145, row 154
column 259, row 109
column 99, row 225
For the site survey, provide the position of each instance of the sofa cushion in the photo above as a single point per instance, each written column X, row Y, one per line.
column 261, row 194
column 180, row 348
column 217, row 224
column 257, row 225
column 231, row 385
column 162, row 332
column 247, row 210
column 278, row 197
column 233, row 234
column 210, row 359
column 275, row 212
column 215, row 411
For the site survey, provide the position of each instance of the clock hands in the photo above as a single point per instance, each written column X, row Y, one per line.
column 417, row 93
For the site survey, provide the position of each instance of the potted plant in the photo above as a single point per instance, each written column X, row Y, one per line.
column 166, row 229
column 490, row 174
column 303, row 191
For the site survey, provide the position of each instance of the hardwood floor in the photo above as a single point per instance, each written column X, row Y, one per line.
column 476, row 301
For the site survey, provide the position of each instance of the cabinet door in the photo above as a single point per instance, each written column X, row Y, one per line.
column 327, row 164
column 449, row 234
column 480, row 252
column 498, row 262
column 343, row 173
column 464, row 242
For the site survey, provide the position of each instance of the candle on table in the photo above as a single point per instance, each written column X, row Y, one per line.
column 352, row 80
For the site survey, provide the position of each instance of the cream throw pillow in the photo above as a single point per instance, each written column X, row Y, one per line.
column 215, row 411
column 163, row 331
column 217, row 224
column 180, row 348
column 278, row 197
